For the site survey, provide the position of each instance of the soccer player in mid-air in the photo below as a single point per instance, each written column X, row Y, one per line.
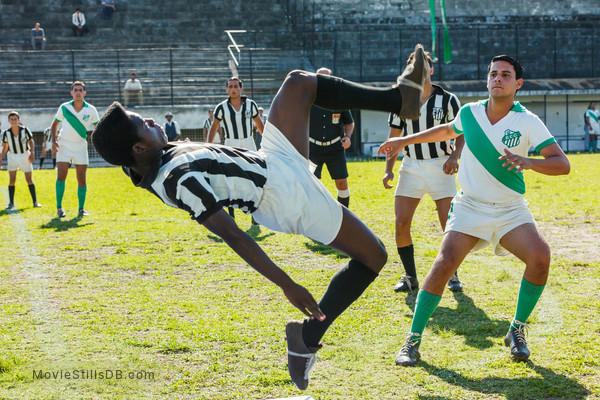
column 490, row 207
column 275, row 185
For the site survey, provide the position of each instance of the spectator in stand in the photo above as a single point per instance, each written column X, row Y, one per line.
column 108, row 8
column 172, row 128
column 133, row 88
column 38, row 36
column 78, row 23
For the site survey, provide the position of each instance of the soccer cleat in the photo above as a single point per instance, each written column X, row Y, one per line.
column 37, row 204
column 406, row 284
column 410, row 84
column 409, row 353
column 10, row 206
column 515, row 339
column 61, row 213
column 301, row 358
column 82, row 213
column 454, row 284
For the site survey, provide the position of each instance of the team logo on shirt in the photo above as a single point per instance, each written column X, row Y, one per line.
column 86, row 117
column 437, row 113
column 511, row 138
column 335, row 118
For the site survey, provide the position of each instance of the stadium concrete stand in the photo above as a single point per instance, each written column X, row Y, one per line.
column 180, row 51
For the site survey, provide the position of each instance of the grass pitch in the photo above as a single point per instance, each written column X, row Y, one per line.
column 138, row 301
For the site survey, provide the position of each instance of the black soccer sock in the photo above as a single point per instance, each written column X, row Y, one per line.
column 11, row 194
column 54, row 163
column 231, row 212
column 335, row 93
column 344, row 201
column 407, row 255
column 32, row 191
column 41, row 162
column 344, row 288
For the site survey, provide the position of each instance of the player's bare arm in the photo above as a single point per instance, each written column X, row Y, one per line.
column 53, row 130
column 346, row 140
column 555, row 162
column 213, row 130
column 392, row 146
column 451, row 165
column 388, row 175
column 221, row 224
column 259, row 124
column 31, row 144
column 4, row 151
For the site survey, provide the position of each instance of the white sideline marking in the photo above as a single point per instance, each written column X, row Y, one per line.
column 48, row 329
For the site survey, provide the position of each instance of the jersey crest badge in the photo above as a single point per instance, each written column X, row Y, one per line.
column 437, row 113
column 511, row 138
column 335, row 118
column 86, row 117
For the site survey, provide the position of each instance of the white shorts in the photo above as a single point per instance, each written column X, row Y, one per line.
column 18, row 161
column 294, row 200
column 419, row 177
column 75, row 152
column 487, row 221
column 247, row 143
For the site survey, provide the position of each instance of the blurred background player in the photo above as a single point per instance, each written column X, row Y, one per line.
column 77, row 118
column 47, row 147
column 330, row 133
column 18, row 142
column 426, row 168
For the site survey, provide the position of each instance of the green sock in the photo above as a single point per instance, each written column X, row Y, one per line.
column 60, row 192
column 81, row 192
column 529, row 294
column 424, row 308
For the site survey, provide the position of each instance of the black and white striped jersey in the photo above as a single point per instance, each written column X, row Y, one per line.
column 237, row 124
column 202, row 178
column 18, row 144
column 441, row 107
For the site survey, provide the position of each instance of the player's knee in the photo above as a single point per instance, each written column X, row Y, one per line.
column 539, row 259
column 380, row 256
column 297, row 78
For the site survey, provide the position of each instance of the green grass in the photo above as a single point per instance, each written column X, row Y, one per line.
column 140, row 288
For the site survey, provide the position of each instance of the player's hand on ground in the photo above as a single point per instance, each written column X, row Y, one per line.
column 450, row 166
column 387, row 177
column 304, row 301
column 515, row 162
column 346, row 142
column 391, row 147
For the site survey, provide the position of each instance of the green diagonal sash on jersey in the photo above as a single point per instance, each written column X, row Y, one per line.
column 594, row 116
column 486, row 153
column 74, row 122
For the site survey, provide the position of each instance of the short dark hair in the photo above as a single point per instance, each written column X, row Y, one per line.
column 115, row 136
column 234, row 78
column 78, row 83
column 512, row 61
column 10, row 114
column 427, row 56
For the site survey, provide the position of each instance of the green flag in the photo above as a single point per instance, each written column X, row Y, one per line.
column 447, row 48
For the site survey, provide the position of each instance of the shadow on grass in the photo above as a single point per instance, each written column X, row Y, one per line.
column 466, row 320
column 323, row 249
column 61, row 224
column 215, row 238
column 546, row 385
column 255, row 233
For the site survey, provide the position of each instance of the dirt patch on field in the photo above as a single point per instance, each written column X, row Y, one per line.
column 577, row 241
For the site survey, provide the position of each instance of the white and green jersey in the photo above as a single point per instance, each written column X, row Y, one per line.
column 75, row 125
column 481, row 174
column 594, row 118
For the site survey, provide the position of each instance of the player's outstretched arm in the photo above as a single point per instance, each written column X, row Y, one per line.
column 221, row 224
column 392, row 146
column 388, row 174
column 555, row 161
